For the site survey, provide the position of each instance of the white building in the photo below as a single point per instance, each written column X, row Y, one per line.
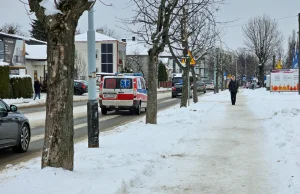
column 110, row 53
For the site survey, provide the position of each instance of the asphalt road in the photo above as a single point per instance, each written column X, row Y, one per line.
column 107, row 122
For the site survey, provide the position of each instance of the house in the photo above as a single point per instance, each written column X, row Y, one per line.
column 137, row 57
column 110, row 53
column 25, row 55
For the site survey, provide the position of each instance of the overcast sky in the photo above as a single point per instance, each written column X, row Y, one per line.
column 240, row 10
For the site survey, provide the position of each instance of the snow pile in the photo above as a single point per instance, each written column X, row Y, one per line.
column 50, row 7
column 19, row 76
column 3, row 63
column 126, row 156
column 280, row 113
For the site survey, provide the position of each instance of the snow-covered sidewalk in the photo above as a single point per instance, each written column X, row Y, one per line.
column 211, row 147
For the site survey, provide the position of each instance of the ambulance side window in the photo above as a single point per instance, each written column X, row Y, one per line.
column 143, row 84
column 139, row 83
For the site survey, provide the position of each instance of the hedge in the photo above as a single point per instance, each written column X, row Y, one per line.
column 4, row 82
column 21, row 87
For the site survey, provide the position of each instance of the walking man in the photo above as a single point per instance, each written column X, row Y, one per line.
column 37, row 89
column 233, row 89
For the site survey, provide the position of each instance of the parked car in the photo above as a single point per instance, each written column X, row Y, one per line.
column 14, row 128
column 80, row 87
column 200, row 87
column 86, row 83
column 177, row 90
column 210, row 85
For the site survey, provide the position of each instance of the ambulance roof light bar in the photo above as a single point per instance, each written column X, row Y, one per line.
column 129, row 74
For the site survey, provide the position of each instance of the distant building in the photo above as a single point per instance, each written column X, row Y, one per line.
column 110, row 53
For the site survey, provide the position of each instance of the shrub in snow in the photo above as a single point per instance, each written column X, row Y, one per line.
column 4, row 82
column 21, row 87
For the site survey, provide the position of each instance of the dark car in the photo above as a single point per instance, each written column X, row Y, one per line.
column 80, row 87
column 177, row 90
column 14, row 128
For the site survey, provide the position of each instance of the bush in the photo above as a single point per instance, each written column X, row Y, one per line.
column 4, row 82
column 21, row 87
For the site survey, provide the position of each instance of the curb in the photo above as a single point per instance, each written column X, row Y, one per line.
column 81, row 100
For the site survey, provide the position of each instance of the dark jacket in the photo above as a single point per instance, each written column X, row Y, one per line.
column 37, row 87
column 233, row 86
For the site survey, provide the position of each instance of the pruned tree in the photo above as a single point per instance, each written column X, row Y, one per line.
column 153, row 20
column 262, row 37
column 38, row 30
column 80, row 68
column 60, row 23
column 12, row 28
column 108, row 31
column 193, row 30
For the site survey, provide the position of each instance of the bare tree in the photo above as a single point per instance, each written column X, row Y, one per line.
column 193, row 30
column 108, row 32
column 60, row 23
column 137, row 62
column 153, row 19
column 80, row 66
column 262, row 37
column 291, row 50
column 12, row 28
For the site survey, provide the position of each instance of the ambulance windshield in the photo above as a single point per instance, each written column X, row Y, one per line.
column 118, row 83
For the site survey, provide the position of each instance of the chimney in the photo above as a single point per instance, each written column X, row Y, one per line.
column 133, row 38
column 123, row 39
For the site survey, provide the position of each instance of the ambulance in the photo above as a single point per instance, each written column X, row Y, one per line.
column 123, row 91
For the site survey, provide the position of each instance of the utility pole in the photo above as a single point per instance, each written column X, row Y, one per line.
column 92, row 105
column 299, row 51
column 274, row 59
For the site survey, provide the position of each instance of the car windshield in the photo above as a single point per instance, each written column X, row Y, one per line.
column 177, row 80
column 118, row 83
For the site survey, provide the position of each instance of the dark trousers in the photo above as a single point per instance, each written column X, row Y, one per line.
column 37, row 95
column 233, row 97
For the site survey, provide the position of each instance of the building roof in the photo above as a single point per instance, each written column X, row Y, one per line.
column 98, row 37
column 28, row 40
column 36, row 52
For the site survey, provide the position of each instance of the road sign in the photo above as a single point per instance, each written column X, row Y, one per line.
column 183, row 61
column 193, row 62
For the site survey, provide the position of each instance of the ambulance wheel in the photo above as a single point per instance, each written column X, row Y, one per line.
column 138, row 109
column 104, row 111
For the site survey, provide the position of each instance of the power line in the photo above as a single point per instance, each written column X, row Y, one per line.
column 287, row 17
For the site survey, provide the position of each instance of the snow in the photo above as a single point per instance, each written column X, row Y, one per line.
column 98, row 37
column 209, row 147
column 3, row 64
column 19, row 76
column 36, row 52
column 50, row 7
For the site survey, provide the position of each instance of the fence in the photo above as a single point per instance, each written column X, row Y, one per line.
column 165, row 84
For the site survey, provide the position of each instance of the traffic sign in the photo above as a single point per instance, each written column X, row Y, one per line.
column 193, row 62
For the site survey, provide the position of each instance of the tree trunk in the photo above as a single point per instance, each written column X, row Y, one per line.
column 185, row 95
column 195, row 94
column 261, row 74
column 58, row 150
column 151, row 114
column 217, row 80
column 222, row 86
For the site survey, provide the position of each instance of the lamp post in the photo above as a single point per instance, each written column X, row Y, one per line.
column 92, row 105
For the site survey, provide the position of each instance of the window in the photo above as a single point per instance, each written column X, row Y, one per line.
column 107, row 58
column 118, row 83
column 2, row 107
column 143, row 84
column 97, row 54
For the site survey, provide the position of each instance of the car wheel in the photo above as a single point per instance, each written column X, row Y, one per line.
column 24, row 140
column 173, row 96
column 138, row 109
column 204, row 92
column 103, row 111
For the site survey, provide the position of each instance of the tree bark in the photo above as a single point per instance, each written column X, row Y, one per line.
column 151, row 114
column 195, row 94
column 261, row 74
column 185, row 95
column 58, row 150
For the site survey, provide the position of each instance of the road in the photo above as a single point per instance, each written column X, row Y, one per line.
column 107, row 122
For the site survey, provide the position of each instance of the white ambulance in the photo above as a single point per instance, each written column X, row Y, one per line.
column 126, row 91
